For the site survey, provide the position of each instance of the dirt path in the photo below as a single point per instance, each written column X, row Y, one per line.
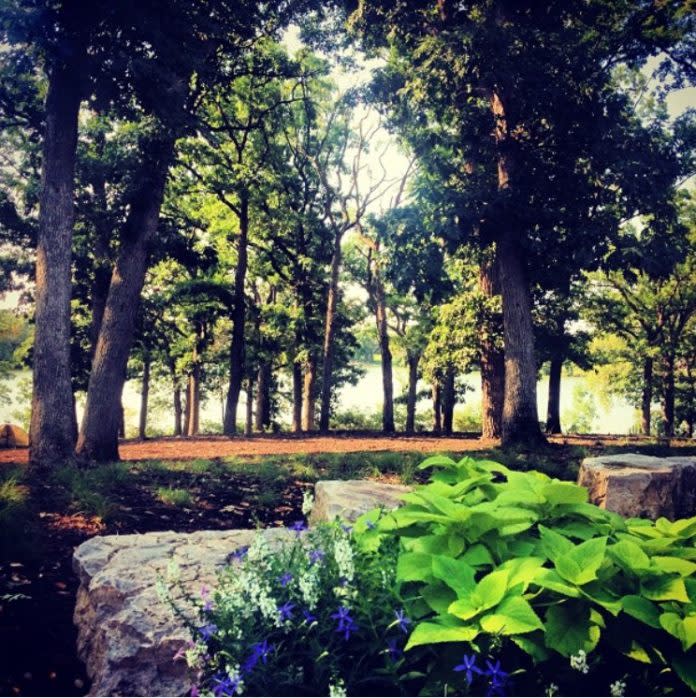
column 171, row 448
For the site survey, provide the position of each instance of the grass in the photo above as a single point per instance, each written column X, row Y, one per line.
column 174, row 497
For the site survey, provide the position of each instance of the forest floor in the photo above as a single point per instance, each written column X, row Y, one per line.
column 187, row 485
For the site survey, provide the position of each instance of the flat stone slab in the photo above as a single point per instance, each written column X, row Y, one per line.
column 349, row 499
column 632, row 484
column 128, row 636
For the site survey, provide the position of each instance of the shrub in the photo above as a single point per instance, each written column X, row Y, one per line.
column 486, row 580
column 521, row 567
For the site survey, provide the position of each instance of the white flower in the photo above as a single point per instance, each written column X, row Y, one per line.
column 307, row 502
column 337, row 689
column 579, row 662
column 343, row 554
column 551, row 690
column 309, row 588
column 618, row 688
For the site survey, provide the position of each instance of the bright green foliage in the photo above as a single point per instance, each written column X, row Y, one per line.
column 487, row 552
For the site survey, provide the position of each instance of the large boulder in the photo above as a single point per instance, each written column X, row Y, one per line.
column 128, row 636
column 348, row 499
column 632, row 484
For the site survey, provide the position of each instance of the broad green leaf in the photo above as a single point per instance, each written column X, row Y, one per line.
column 580, row 564
column 437, row 462
column 457, row 574
column 597, row 592
column 684, row 629
column 685, row 667
column 568, row 629
column 434, row 633
column 564, row 493
column 642, row 609
column 685, row 568
column 492, row 587
column 414, row 567
column 438, row 596
column 513, row 616
column 477, row 555
column 550, row 579
column 434, row 545
column 553, row 544
column 664, row 588
column 523, row 570
column 533, row 645
column 630, row 556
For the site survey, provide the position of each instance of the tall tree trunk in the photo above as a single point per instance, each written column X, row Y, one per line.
column 187, row 409
column 144, row 394
column 668, row 404
column 448, row 401
column 297, row 397
column 329, row 332
column 177, row 411
column 98, row 435
column 646, row 397
column 413, row 360
column 553, row 413
column 121, row 418
column 384, row 352
column 309, row 393
column 193, row 402
column 262, row 417
column 249, row 422
column 520, row 416
column 237, row 348
column 492, row 361
column 52, row 415
column 437, row 406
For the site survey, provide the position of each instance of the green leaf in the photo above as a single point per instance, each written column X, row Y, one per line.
column 553, row 544
column 643, row 610
column 564, row 493
column 685, row 568
column 580, row 565
column 488, row 593
column 433, row 633
column 630, row 556
column 439, row 597
column 685, row 667
column 437, row 462
column 550, row 579
column 457, row 574
column 523, row 570
column 414, row 567
column 684, row 629
column 477, row 555
column 664, row 588
column 533, row 645
column 568, row 629
column 513, row 616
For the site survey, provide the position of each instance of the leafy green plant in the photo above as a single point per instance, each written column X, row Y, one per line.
column 174, row 496
column 520, row 565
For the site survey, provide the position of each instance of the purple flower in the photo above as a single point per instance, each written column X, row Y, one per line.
column 316, row 556
column 346, row 624
column 495, row 673
column 239, row 554
column 286, row 610
column 346, row 529
column 208, row 606
column 226, row 686
column 370, row 524
column 309, row 617
column 394, row 650
column 402, row 620
column 259, row 652
column 194, row 691
column 285, row 579
column 469, row 666
column 298, row 527
column 207, row 631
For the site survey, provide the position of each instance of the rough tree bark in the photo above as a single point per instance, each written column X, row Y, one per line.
column 646, row 397
column 237, row 347
column 329, row 332
column 448, row 401
column 380, row 306
column 492, row 362
column 262, row 415
column 297, row 397
column 309, row 393
column 177, row 411
column 53, row 425
column 98, row 439
column 520, row 417
column 413, row 360
column 144, row 395
column 553, row 413
column 249, row 421
column 437, row 407
column 668, row 396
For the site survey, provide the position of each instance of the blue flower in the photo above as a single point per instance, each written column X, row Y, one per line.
column 346, row 528
column 207, row 631
column 285, row 579
column 402, row 620
column 239, row 554
column 298, row 527
column 346, row 624
column 316, row 556
column 394, row 650
column 468, row 665
column 495, row 673
column 309, row 617
column 226, row 686
column 370, row 524
column 286, row 610
column 259, row 652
